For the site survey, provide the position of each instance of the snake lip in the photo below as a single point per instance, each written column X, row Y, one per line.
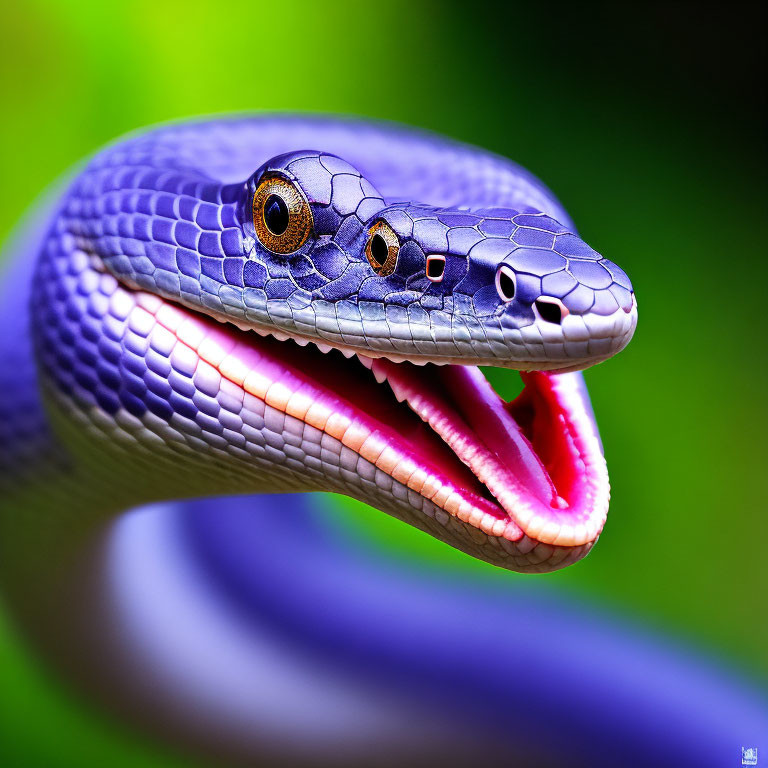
column 526, row 472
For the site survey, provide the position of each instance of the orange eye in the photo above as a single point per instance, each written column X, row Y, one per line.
column 382, row 248
column 282, row 217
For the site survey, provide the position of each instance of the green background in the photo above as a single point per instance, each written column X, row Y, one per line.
column 646, row 123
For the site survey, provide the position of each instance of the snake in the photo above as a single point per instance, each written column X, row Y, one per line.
column 282, row 304
column 229, row 311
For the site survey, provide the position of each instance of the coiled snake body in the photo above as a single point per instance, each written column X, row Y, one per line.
column 277, row 304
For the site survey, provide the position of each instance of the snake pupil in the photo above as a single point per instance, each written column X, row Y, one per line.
column 379, row 248
column 276, row 214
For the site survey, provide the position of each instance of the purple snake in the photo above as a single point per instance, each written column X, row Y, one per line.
column 290, row 304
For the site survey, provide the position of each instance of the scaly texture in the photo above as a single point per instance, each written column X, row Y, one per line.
column 156, row 239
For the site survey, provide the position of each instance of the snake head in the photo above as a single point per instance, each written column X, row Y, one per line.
column 154, row 244
column 407, row 281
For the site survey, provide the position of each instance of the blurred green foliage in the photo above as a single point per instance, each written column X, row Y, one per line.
column 649, row 133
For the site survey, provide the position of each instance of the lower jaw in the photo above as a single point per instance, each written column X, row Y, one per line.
column 527, row 475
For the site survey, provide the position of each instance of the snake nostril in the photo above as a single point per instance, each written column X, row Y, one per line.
column 435, row 267
column 551, row 310
column 505, row 283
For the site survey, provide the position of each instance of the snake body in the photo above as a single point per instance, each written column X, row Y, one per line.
column 205, row 310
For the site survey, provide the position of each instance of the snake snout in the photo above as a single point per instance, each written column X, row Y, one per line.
column 557, row 286
column 567, row 300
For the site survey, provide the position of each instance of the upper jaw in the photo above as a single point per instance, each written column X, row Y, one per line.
column 578, row 342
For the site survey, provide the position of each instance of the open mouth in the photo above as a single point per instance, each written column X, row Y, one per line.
column 528, row 471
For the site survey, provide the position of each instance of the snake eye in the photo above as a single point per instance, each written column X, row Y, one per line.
column 382, row 248
column 282, row 217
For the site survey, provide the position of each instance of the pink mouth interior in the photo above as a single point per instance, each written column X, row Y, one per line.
column 450, row 420
column 351, row 387
column 524, row 449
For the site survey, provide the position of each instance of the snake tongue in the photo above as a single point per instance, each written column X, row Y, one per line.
column 539, row 456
